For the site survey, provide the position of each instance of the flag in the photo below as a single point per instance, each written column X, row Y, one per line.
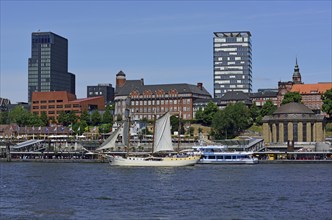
column 70, row 129
column 46, row 129
column 95, row 128
column 33, row 128
column 56, row 128
column 62, row 128
column 79, row 128
column 39, row 129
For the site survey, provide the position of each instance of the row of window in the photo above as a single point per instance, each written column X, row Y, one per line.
column 159, row 109
column 57, row 112
column 151, row 117
column 49, row 101
column 57, row 106
column 160, row 102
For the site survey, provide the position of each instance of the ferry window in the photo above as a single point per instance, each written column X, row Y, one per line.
column 211, row 157
column 220, row 157
column 228, row 157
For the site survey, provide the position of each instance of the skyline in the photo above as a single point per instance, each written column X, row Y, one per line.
column 166, row 42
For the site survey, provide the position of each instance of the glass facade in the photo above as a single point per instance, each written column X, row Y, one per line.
column 232, row 62
column 48, row 65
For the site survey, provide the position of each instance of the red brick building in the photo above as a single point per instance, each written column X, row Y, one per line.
column 52, row 103
column 312, row 94
column 145, row 101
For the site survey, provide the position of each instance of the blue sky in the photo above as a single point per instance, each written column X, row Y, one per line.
column 166, row 41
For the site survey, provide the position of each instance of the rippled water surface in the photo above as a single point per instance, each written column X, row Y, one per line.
column 100, row 191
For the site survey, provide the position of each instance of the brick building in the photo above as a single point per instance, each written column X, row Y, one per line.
column 312, row 94
column 55, row 102
column 144, row 101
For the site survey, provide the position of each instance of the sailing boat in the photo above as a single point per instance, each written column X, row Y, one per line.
column 162, row 142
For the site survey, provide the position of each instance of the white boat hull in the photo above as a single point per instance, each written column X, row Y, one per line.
column 154, row 161
column 246, row 161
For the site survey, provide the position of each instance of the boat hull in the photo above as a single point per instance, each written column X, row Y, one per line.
column 249, row 161
column 154, row 161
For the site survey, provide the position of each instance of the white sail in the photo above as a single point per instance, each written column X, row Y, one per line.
column 110, row 141
column 162, row 134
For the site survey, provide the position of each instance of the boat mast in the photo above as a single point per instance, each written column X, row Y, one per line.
column 154, row 128
column 179, row 130
column 127, row 115
column 128, row 147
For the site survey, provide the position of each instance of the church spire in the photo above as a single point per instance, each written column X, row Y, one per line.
column 297, row 74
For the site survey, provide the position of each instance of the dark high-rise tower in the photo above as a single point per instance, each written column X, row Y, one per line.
column 48, row 65
column 232, row 62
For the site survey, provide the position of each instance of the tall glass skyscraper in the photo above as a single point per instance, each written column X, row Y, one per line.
column 48, row 65
column 232, row 62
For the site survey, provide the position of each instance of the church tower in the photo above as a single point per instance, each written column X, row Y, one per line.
column 297, row 74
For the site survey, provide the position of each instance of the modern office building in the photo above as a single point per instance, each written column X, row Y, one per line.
column 48, row 65
column 105, row 90
column 232, row 62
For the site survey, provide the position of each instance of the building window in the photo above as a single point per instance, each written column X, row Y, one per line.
column 67, row 106
column 51, row 101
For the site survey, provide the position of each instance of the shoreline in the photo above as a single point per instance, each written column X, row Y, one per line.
column 4, row 160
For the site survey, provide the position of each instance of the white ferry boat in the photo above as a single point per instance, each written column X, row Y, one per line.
column 218, row 155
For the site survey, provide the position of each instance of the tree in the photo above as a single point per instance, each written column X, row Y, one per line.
column 292, row 97
column 44, row 119
column 199, row 115
column 34, row 120
column 268, row 108
column 107, row 116
column 19, row 115
column 105, row 128
column 327, row 102
column 4, row 119
column 67, row 118
column 95, row 118
column 209, row 112
column 254, row 112
column 229, row 122
column 85, row 116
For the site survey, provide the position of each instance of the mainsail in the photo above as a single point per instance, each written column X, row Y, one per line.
column 110, row 141
column 162, row 134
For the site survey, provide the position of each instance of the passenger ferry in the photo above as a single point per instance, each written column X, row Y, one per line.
column 218, row 155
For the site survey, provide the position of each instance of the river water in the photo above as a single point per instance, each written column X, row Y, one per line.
column 100, row 191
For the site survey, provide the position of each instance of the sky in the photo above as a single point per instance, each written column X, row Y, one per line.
column 166, row 42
